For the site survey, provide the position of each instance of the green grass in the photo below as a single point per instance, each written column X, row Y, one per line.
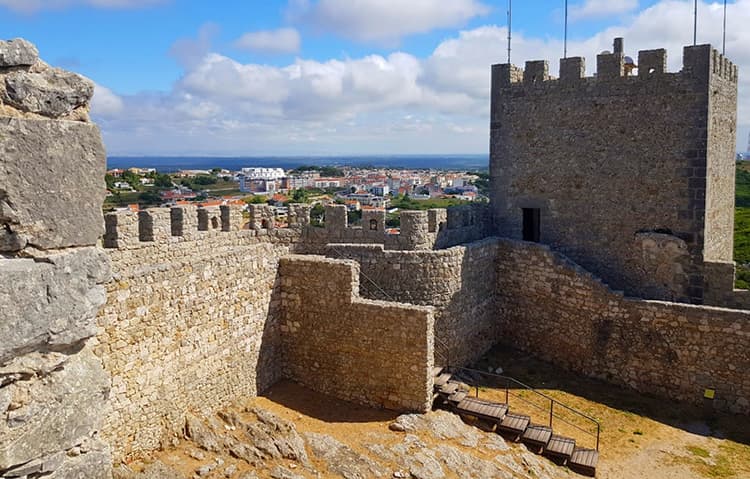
column 698, row 451
column 405, row 203
column 742, row 226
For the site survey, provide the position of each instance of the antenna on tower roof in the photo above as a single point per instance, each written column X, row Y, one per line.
column 565, row 48
column 510, row 20
column 695, row 23
column 724, row 33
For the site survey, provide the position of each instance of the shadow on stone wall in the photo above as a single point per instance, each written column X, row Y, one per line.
column 268, row 371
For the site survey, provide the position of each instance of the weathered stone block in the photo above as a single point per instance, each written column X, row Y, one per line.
column 17, row 52
column 56, row 413
column 50, row 303
column 51, row 92
column 51, row 183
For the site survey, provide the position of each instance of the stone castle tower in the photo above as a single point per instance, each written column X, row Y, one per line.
column 630, row 175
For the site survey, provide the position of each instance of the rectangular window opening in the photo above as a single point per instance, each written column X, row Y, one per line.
column 532, row 224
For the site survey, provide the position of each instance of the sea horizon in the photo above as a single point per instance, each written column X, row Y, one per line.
column 168, row 164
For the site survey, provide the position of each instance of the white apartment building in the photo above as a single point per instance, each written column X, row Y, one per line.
column 257, row 173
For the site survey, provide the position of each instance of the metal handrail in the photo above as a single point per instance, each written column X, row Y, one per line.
column 508, row 380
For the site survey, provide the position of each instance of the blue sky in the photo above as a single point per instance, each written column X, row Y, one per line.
column 326, row 76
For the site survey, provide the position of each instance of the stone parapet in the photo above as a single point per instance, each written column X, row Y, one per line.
column 459, row 282
column 554, row 309
column 370, row 352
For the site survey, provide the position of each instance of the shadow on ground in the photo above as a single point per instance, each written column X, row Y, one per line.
column 542, row 375
column 324, row 408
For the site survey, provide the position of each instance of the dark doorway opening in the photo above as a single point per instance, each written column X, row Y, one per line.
column 531, row 224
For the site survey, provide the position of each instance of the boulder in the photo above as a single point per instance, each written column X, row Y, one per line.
column 50, row 304
column 54, row 413
column 51, row 184
column 50, row 92
column 17, row 52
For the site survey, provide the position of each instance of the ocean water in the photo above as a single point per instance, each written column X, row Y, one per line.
column 171, row 164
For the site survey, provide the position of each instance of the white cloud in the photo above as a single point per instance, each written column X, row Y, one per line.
column 395, row 103
column 384, row 21
column 105, row 103
column 283, row 40
column 601, row 8
column 32, row 6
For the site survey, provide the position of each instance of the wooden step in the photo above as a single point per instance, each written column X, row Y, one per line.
column 584, row 461
column 436, row 371
column 514, row 424
column 560, row 447
column 442, row 379
column 491, row 411
column 458, row 396
column 537, row 436
column 449, row 388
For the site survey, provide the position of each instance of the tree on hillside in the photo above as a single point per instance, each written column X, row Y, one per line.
column 163, row 181
column 256, row 200
column 300, row 196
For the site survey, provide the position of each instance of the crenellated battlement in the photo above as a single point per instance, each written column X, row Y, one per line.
column 700, row 62
column 565, row 152
column 127, row 229
column 420, row 230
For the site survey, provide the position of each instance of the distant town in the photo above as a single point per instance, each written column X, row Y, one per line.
column 359, row 188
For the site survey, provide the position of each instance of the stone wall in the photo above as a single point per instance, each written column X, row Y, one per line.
column 192, row 318
column 420, row 230
column 720, row 157
column 365, row 351
column 52, row 165
column 458, row 282
column 554, row 309
column 191, row 321
column 572, row 148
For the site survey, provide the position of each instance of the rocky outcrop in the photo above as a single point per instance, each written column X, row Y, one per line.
column 51, row 92
column 250, row 443
column 17, row 52
column 53, row 389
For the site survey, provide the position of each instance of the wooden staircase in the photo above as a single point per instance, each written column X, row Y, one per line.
column 453, row 394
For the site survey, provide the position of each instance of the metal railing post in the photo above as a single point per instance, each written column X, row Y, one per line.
column 551, row 407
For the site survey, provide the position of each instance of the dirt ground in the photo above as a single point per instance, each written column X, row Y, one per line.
column 641, row 436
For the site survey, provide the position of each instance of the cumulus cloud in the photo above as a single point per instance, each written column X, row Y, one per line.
column 283, row 40
column 396, row 103
column 105, row 103
column 32, row 6
column 384, row 21
column 601, row 8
